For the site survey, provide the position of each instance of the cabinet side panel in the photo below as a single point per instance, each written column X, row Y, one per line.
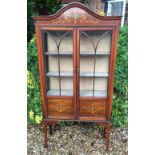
column 41, row 73
column 112, row 69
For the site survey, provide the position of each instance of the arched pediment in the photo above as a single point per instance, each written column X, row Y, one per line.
column 75, row 14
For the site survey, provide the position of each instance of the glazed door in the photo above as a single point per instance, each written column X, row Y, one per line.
column 60, row 71
column 94, row 50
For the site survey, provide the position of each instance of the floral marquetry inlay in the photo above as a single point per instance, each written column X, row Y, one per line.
column 76, row 16
column 60, row 108
column 90, row 108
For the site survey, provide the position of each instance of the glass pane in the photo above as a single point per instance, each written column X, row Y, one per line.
column 116, row 8
column 94, row 62
column 58, row 54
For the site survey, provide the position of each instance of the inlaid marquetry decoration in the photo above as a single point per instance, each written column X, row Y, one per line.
column 75, row 16
column 60, row 108
column 91, row 108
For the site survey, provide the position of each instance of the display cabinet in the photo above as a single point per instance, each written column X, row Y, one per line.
column 77, row 56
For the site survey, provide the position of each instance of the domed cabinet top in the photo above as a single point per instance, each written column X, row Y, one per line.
column 76, row 14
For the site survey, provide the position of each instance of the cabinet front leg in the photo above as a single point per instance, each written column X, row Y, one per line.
column 51, row 125
column 45, row 135
column 107, row 136
column 103, row 126
column 50, row 129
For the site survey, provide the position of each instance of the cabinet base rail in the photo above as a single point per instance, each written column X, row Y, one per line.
column 104, row 123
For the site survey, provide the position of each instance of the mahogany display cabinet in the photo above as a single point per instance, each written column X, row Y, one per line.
column 77, row 56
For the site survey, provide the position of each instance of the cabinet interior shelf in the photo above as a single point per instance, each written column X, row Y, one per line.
column 82, row 74
column 81, row 54
column 83, row 93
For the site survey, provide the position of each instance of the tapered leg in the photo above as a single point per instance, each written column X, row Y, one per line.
column 104, row 126
column 107, row 136
column 104, row 133
column 45, row 135
column 50, row 129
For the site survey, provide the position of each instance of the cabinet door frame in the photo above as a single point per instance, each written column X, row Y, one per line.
column 41, row 63
column 112, row 62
